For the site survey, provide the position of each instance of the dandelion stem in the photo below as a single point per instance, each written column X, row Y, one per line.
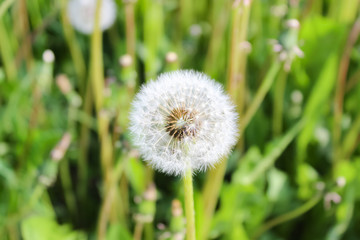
column 189, row 205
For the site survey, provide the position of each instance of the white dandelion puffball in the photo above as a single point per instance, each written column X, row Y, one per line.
column 81, row 14
column 183, row 120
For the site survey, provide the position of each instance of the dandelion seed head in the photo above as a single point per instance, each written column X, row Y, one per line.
column 183, row 120
column 81, row 14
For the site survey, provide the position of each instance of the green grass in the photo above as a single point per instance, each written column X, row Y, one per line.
column 299, row 120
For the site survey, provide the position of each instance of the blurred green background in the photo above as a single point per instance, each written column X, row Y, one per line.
column 67, row 168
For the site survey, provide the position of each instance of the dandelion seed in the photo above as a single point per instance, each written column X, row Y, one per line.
column 183, row 120
column 81, row 14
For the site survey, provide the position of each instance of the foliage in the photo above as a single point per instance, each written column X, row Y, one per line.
column 68, row 170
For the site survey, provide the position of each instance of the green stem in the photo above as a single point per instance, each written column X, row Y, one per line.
column 75, row 51
column 341, row 88
column 23, row 26
column 139, row 227
column 211, row 193
column 153, row 32
column 216, row 175
column 96, row 61
column 279, row 103
column 84, row 143
column 130, row 30
column 6, row 52
column 67, row 186
column 270, row 158
column 189, row 205
column 110, row 195
column 260, row 95
column 350, row 139
column 288, row 216
column 219, row 23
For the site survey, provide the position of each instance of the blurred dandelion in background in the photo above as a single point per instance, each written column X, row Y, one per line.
column 183, row 120
column 81, row 14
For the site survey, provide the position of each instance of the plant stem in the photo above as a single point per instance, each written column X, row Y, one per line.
column 216, row 175
column 219, row 23
column 75, row 51
column 103, row 118
column 96, row 61
column 153, row 32
column 67, row 187
column 130, row 29
column 108, row 201
column 340, row 89
column 189, row 205
column 350, row 139
column 84, row 143
column 288, row 216
column 260, row 94
column 6, row 52
column 23, row 27
column 279, row 103
column 270, row 158
column 211, row 193
column 139, row 227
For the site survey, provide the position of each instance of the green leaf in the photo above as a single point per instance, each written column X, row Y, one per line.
column 118, row 231
column 321, row 92
column 45, row 228
column 135, row 171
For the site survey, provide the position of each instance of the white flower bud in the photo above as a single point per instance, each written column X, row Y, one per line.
column 48, row 56
column 183, row 120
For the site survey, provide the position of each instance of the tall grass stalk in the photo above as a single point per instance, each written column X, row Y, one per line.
column 85, row 92
column 35, row 13
column 216, row 175
column 130, row 28
column 351, row 139
column 97, row 79
column 74, row 47
column 110, row 196
column 84, row 143
column 6, row 52
column 236, row 82
column 219, row 22
column 22, row 27
column 65, row 178
column 153, row 32
column 341, row 87
column 279, row 92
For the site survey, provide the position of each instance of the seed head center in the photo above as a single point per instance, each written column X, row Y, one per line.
column 181, row 123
